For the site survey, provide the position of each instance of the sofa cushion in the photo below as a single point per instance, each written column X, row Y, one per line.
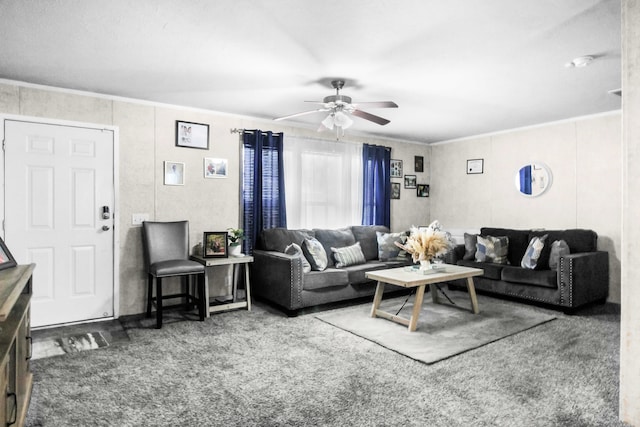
column 366, row 235
column 357, row 273
column 334, row 238
column 491, row 270
column 470, row 241
column 315, row 253
column 579, row 240
column 349, row 255
column 296, row 251
column 533, row 252
column 324, row 279
column 544, row 278
column 387, row 248
column 518, row 241
column 277, row 239
column 559, row 248
column 492, row 249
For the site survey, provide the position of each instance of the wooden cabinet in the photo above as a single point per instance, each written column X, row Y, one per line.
column 16, row 378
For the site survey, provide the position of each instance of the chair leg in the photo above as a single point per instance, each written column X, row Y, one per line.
column 158, row 302
column 201, row 302
column 149, row 295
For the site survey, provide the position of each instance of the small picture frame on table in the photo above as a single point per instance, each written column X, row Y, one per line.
column 475, row 166
column 395, row 190
column 6, row 259
column 423, row 190
column 214, row 244
column 192, row 135
column 396, row 169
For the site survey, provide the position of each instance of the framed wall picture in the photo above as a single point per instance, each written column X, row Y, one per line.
column 418, row 163
column 475, row 166
column 396, row 168
column 192, row 135
column 395, row 190
column 6, row 259
column 215, row 168
column 423, row 190
column 214, row 244
column 410, row 181
column 173, row 173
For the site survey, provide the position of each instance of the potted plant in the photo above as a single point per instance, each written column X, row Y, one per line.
column 235, row 236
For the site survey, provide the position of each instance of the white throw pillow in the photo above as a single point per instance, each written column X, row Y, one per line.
column 317, row 254
column 296, row 251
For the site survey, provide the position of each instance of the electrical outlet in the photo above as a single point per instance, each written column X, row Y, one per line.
column 137, row 219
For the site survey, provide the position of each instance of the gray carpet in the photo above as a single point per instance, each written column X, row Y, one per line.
column 261, row 368
column 444, row 330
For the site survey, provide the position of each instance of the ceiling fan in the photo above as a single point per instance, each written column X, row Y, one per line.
column 340, row 107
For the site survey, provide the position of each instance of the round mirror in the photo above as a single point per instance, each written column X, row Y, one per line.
column 533, row 179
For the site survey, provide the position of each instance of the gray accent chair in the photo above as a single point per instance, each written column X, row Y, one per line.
column 166, row 254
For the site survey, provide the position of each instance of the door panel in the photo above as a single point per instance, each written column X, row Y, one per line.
column 58, row 178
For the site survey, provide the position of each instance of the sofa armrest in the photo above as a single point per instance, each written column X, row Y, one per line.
column 583, row 278
column 277, row 277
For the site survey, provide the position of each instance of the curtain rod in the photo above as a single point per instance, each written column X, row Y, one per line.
column 240, row 130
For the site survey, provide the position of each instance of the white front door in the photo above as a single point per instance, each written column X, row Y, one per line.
column 59, row 180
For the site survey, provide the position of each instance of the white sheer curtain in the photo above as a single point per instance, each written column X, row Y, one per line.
column 323, row 183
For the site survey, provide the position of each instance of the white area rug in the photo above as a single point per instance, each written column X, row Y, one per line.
column 444, row 330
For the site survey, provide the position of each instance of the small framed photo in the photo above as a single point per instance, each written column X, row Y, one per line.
column 410, row 181
column 215, row 168
column 6, row 259
column 396, row 168
column 418, row 163
column 214, row 244
column 395, row 190
column 423, row 190
column 173, row 173
column 192, row 135
column 475, row 166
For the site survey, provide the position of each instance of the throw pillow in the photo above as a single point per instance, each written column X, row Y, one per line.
column 559, row 248
column 349, row 255
column 492, row 249
column 296, row 251
column 386, row 245
column 470, row 242
column 316, row 254
column 532, row 254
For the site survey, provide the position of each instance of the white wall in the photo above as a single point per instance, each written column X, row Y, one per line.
column 584, row 156
column 147, row 138
column 630, row 319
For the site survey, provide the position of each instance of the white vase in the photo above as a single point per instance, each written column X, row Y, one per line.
column 235, row 250
column 425, row 265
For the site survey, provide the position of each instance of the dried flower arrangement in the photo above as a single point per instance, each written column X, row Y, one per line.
column 425, row 244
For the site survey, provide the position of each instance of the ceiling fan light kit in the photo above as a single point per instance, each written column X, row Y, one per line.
column 580, row 62
column 340, row 107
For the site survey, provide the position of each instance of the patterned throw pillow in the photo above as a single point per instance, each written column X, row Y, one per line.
column 492, row 249
column 559, row 248
column 533, row 252
column 296, row 251
column 316, row 254
column 349, row 255
column 386, row 245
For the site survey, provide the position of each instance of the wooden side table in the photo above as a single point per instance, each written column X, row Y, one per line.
column 210, row 263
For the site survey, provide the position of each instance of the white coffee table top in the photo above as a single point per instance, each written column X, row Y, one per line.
column 409, row 279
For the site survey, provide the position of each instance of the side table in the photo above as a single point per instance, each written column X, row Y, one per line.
column 235, row 261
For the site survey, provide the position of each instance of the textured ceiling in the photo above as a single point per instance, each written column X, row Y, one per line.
column 455, row 68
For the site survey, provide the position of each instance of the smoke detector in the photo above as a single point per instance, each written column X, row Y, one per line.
column 580, row 62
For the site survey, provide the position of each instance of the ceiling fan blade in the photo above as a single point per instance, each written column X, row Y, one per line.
column 371, row 117
column 378, row 104
column 300, row 114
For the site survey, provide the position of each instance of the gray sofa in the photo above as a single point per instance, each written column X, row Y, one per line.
column 581, row 277
column 279, row 278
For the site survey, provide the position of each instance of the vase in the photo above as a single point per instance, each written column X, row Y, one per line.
column 235, row 250
column 425, row 265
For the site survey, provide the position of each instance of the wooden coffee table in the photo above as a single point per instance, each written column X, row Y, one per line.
column 416, row 279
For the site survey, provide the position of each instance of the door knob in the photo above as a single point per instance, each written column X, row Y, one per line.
column 105, row 228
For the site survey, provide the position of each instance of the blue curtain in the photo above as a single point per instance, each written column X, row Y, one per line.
column 376, row 209
column 525, row 179
column 263, row 185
